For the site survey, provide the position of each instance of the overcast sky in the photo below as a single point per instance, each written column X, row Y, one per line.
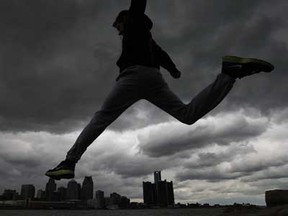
column 57, row 64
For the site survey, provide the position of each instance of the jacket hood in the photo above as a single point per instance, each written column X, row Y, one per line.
column 121, row 17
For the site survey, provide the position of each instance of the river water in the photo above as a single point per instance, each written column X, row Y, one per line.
column 149, row 212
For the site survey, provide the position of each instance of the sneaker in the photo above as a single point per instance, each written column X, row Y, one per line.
column 65, row 170
column 238, row 67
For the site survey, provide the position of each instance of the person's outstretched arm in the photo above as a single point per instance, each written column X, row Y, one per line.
column 165, row 61
column 137, row 7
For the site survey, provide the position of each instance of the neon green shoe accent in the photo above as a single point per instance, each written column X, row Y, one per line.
column 60, row 172
column 265, row 66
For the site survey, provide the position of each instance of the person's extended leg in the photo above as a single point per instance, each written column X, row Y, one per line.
column 120, row 98
column 200, row 105
column 117, row 102
column 233, row 67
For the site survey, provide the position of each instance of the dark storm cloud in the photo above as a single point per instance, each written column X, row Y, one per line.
column 275, row 173
column 211, row 167
column 209, row 174
column 58, row 56
column 168, row 140
column 199, row 33
column 245, row 28
column 211, row 159
column 259, row 159
column 130, row 166
column 255, row 166
column 48, row 63
column 16, row 171
column 122, row 160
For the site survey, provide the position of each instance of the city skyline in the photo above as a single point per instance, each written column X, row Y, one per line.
column 56, row 185
column 74, row 195
column 85, row 191
column 58, row 64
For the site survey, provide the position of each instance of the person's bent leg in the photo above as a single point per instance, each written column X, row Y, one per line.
column 200, row 105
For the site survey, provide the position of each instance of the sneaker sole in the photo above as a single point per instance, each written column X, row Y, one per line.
column 263, row 65
column 60, row 174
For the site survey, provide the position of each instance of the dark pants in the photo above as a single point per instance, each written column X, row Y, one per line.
column 140, row 82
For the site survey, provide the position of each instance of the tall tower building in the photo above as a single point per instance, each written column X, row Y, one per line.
column 73, row 190
column 50, row 189
column 158, row 194
column 27, row 191
column 157, row 176
column 87, row 188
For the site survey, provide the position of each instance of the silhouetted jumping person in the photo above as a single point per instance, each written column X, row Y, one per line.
column 140, row 78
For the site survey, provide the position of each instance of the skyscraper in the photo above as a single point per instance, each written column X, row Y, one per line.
column 50, row 189
column 87, row 188
column 27, row 191
column 100, row 200
column 149, row 193
column 170, row 192
column 157, row 176
column 162, row 193
column 158, row 194
column 73, row 190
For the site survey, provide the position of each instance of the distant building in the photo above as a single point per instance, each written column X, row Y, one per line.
column 73, row 190
column 124, row 202
column 50, row 189
column 157, row 176
column 87, row 188
column 164, row 193
column 160, row 193
column 10, row 195
column 40, row 194
column 107, row 201
column 62, row 193
column 115, row 199
column 170, row 193
column 149, row 193
column 27, row 191
column 100, row 200
column 276, row 197
column 79, row 190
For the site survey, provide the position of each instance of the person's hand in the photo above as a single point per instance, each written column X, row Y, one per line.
column 176, row 74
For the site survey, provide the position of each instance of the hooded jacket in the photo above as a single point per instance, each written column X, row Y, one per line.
column 138, row 46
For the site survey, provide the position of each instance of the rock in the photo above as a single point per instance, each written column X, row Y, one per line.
column 276, row 197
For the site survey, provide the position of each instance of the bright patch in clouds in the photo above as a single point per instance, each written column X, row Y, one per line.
column 226, row 155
